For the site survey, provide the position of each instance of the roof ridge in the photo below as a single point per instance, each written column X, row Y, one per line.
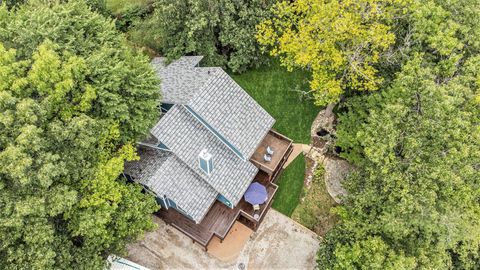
column 222, row 74
column 223, row 78
column 202, row 176
column 218, row 147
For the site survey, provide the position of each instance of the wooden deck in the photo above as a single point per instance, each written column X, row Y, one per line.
column 281, row 146
column 220, row 218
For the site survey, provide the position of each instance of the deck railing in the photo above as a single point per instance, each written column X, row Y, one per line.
column 248, row 212
column 203, row 233
column 284, row 153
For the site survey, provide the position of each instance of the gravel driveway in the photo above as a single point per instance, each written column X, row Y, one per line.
column 279, row 243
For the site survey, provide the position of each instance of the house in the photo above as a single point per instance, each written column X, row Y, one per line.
column 118, row 263
column 206, row 150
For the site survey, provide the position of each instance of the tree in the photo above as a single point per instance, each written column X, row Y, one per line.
column 13, row 3
column 413, row 200
column 339, row 41
column 74, row 98
column 223, row 31
column 371, row 253
column 416, row 147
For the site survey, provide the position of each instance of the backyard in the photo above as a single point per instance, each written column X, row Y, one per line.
column 279, row 92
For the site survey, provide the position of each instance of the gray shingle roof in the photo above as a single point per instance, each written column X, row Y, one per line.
column 232, row 112
column 180, row 79
column 226, row 108
column 186, row 137
column 165, row 174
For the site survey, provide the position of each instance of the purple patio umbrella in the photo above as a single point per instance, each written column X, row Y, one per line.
column 256, row 194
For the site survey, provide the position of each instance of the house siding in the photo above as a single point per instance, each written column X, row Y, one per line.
column 224, row 200
column 172, row 204
column 165, row 107
column 161, row 202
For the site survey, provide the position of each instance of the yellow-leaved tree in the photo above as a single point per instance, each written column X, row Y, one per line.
column 339, row 41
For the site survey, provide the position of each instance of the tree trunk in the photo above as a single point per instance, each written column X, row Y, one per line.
column 329, row 109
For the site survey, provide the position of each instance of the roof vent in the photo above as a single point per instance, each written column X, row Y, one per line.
column 205, row 161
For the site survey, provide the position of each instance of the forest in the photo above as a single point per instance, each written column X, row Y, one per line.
column 402, row 78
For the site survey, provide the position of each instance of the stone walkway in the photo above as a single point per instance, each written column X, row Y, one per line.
column 336, row 169
column 298, row 148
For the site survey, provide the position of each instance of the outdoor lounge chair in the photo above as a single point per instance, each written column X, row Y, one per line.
column 256, row 209
column 267, row 158
column 269, row 150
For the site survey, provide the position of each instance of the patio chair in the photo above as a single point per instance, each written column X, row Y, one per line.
column 267, row 157
column 256, row 207
column 270, row 151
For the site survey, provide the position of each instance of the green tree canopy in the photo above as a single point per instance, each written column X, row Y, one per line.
column 341, row 42
column 417, row 149
column 413, row 201
column 223, row 31
column 73, row 99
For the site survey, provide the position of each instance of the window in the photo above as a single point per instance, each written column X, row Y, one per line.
column 163, row 146
column 171, row 203
column 165, row 107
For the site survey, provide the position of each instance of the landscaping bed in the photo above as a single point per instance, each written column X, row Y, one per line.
column 314, row 210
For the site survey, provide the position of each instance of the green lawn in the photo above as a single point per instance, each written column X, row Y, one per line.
column 277, row 91
column 290, row 186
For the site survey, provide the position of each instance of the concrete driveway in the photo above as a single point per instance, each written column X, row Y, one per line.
column 279, row 243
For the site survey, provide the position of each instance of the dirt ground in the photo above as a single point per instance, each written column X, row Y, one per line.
column 229, row 249
column 279, row 243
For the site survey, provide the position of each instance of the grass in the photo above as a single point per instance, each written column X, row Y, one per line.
column 314, row 212
column 276, row 90
column 290, row 186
